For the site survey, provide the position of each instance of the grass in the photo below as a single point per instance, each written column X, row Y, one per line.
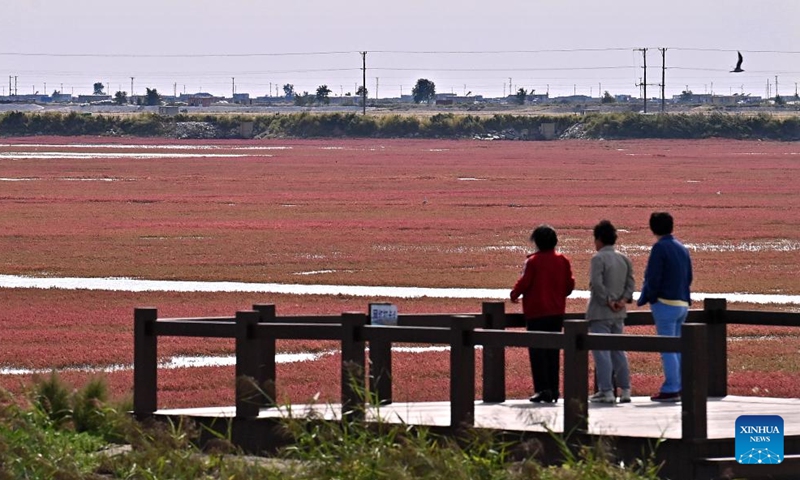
column 438, row 125
column 39, row 440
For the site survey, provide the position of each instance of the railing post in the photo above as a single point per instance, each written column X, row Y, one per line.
column 576, row 377
column 248, row 396
column 462, row 371
column 380, row 370
column 353, row 351
column 494, row 358
column 145, row 362
column 694, row 382
column 267, row 375
column 717, row 331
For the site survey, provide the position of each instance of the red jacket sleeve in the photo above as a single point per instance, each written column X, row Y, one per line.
column 570, row 277
column 525, row 280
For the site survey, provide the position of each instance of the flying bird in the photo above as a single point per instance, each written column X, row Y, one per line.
column 738, row 68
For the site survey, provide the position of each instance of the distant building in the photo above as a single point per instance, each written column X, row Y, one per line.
column 170, row 111
column 693, row 98
column 623, row 98
column 201, row 100
column 242, row 98
column 93, row 98
column 61, row 98
column 576, row 99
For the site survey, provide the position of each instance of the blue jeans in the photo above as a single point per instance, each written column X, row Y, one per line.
column 669, row 321
column 609, row 364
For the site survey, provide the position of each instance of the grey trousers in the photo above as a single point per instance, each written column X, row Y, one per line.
column 610, row 363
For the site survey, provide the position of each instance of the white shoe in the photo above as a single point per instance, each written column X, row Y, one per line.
column 603, row 397
column 625, row 396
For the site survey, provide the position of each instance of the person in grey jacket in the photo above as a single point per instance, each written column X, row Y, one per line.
column 611, row 284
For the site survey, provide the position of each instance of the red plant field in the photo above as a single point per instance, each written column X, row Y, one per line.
column 370, row 212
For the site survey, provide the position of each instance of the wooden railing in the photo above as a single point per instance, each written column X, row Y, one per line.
column 703, row 346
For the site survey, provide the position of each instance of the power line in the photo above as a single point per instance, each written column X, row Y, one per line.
column 167, row 55
column 509, row 69
column 495, row 52
column 729, row 50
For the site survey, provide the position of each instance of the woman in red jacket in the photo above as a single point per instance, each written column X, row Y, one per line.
column 544, row 286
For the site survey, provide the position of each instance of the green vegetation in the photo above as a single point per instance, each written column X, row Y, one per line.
column 152, row 97
column 55, row 432
column 121, row 98
column 424, row 91
column 323, row 92
column 521, row 95
column 442, row 125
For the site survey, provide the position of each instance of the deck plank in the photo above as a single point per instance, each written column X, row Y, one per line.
column 641, row 418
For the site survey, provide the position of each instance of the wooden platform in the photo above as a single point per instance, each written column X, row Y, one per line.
column 640, row 419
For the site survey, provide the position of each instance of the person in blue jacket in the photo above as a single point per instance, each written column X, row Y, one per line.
column 667, row 280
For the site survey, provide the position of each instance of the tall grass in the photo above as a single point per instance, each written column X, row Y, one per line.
column 62, row 433
column 443, row 125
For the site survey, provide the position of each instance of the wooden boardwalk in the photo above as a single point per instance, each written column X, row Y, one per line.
column 640, row 419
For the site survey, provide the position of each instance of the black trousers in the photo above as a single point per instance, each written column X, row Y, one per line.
column 545, row 363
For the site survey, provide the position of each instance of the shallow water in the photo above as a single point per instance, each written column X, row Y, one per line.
column 139, row 285
column 100, row 155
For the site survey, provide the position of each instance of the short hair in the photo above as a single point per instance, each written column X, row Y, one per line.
column 605, row 232
column 661, row 223
column 545, row 238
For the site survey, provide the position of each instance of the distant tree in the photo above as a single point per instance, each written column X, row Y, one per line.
column 98, row 88
column 121, row 98
column 56, row 92
column 779, row 100
column 608, row 98
column 152, row 97
column 322, row 94
column 424, row 91
column 362, row 90
column 686, row 95
column 288, row 91
column 303, row 100
column 521, row 95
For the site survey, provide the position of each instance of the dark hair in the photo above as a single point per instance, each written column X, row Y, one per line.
column 661, row 223
column 545, row 238
column 605, row 232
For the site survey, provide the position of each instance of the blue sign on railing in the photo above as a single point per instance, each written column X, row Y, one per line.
column 383, row 314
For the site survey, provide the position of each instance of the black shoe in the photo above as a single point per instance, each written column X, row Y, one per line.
column 543, row 397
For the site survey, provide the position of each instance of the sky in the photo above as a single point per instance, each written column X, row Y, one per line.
column 564, row 47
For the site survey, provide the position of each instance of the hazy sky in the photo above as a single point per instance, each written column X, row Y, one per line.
column 177, row 27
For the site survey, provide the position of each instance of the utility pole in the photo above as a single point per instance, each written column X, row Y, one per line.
column 15, row 85
column 600, row 90
column 664, row 78
column 364, row 83
column 233, row 87
column 132, row 89
column 61, row 90
column 377, row 83
column 270, row 89
column 9, row 85
column 643, row 83
column 776, row 87
column 45, row 89
column 574, row 89
column 510, row 92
